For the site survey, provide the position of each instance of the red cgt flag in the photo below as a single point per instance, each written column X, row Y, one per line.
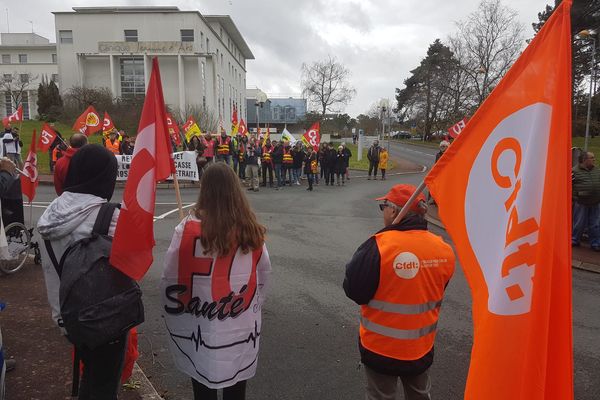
column 47, row 137
column 504, row 193
column 17, row 116
column 312, row 137
column 173, row 129
column 88, row 123
column 29, row 178
column 188, row 124
column 107, row 125
column 242, row 128
column 151, row 163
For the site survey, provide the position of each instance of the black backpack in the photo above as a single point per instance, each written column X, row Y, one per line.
column 98, row 303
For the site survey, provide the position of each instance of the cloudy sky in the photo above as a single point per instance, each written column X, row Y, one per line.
column 380, row 41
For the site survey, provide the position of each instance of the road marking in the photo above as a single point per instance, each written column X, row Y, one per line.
column 163, row 216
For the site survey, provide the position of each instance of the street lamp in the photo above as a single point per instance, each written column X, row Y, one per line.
column 589, row 34
column 261, row 99
column 384, row 105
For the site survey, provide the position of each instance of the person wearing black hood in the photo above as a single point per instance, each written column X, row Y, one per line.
column 90, row 183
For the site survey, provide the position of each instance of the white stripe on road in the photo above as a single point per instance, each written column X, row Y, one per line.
column 162, row 216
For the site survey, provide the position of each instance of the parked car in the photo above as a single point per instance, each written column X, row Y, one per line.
column 401, row 135
column 416, row 137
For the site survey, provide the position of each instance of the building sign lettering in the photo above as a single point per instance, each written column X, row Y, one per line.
column 146, row 47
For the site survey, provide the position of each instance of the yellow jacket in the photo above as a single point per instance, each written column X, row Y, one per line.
column 383, row 160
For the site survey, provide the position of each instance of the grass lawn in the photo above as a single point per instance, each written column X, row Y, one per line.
column 363, row 164
column 593, row 144
column 43, row 158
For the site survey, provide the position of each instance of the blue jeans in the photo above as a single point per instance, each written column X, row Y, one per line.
column 297, row 174
column 586, row 216
column 278, row 174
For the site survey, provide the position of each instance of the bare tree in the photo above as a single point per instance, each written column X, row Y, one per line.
column 491, row 39
column 325, row 84
column 17, row 84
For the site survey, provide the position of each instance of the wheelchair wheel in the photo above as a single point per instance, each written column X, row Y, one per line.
column 19, row 244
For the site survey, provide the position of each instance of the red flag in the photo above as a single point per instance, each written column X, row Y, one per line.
column 108, row 125
column 188, row 124
column 17, row 116
column 242, row 128
column 47, row 137
column 504, row 194
column 234, row 116
column 29, row 178
column 173, row 129
column 312, row 137
column 88, row 123
column 457, row 128
column 151, row 163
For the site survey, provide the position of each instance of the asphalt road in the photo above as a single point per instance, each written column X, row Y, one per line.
column 309, row 340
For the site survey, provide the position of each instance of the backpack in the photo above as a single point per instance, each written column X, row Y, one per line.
column 98, row 303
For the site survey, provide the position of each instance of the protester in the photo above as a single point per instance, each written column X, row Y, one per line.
column 236, row 142
column 89, row 184
column 288, row 163
column 278, row 163
column 340, row 166
column 77, row 141
column 383, row 162
column 55, row 150
column 400, row 298
column 224, row 148
column 224, row 230
column 209, row 147
column 586, row 200
column 251, row 157
column 373, row 157
column 310, row 167
column 322, row 152
column 113, row 144
column 11, row 146
column 267, row 163
column 242, row 149
column 330, row 161
column 195, row 144
column 298, row 157
column 443, row 147
column 348, row 156
column 11, row 196
column 127, row 149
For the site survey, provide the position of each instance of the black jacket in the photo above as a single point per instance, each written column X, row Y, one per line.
column 361, row 283
column 298, row 156
column 277, row 155
column 373, row 154
column 307, row 161
column 340, row 162
column 330, row 159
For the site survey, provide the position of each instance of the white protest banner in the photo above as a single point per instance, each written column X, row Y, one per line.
column 185, row 163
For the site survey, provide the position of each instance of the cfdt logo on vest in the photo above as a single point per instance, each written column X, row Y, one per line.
column 406, row 265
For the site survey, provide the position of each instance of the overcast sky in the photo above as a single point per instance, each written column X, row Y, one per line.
column 380, row 41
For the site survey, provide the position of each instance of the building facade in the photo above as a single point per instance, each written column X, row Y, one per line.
column 277, row 112
column 26, row 58
column 202, row 58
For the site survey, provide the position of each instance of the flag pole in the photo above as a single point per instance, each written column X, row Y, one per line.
column 178, row 195
column 409, row 203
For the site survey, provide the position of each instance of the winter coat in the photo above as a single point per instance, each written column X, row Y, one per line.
column 298, row 156
column 330, row 159
column 277, row 155
column 373, row 154
column 307, row 160
column 225, row 323
column 61, row 168
column 340, row 162
column 251, row 154
column 69, row 218
column 586, row 185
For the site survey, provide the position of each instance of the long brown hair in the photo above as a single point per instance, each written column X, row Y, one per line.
column 227, row 220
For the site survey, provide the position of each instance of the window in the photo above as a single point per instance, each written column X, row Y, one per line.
column 65, row 36
column 5, row 58
column 221, row 58
column 201, row 39
column 55, row 78
column 221, row 33
column 8, row 102
column 203, row 72
column 207, row 45
column 276, row 113
column 22, row 58
column 131, row 35
column 25, row 103
column 54, row 59
column 187, row 35
column 132, row 77
column 24, row 78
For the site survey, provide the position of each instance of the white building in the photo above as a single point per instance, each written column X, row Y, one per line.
column 26, row 58
column 202, row 57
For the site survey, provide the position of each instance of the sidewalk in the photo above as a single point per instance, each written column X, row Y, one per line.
column 583, row 257
column 43, row 355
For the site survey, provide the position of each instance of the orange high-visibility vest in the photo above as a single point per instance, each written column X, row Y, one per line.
column 266, row 154
column 287, row 157
column 400, row 321
column 112, row 147
column 223, row 148
column 55, row 152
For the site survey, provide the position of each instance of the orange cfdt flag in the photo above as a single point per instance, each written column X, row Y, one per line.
column 504, row 191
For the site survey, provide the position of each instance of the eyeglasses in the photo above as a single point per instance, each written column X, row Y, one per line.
column 383, row 206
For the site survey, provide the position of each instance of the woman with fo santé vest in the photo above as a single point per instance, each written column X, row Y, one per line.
column 213, row 288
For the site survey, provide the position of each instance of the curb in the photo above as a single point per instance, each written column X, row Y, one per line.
column 595, row 268
column 146, row 390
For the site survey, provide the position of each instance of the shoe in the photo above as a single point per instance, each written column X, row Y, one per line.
column 250, row 189
column 308, row 188
column 375, row 178
column 256, row 189
column 10, row 364
column 369, row 178
column 343, row 183
column 311, row 189
column 277, row 188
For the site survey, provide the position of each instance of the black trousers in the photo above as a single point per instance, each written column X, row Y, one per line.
column 267, row 167
column 329, row 175
column 235, row 392
column 102, row 368
column 373, row 167
column 242, row 170
column 311, row 177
